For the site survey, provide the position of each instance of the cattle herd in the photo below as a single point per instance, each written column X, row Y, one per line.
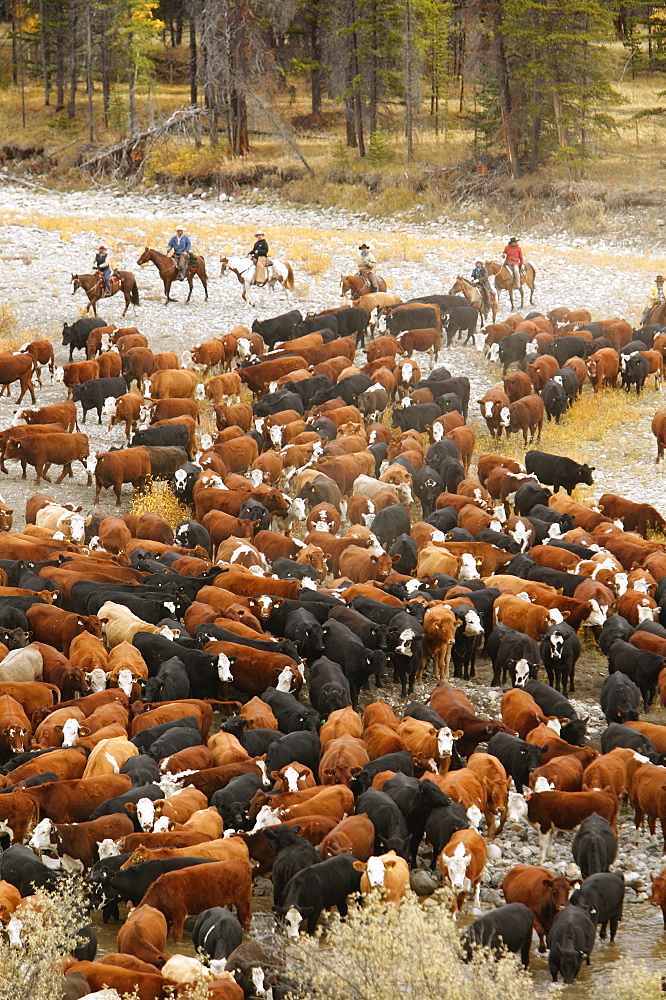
column 183, row 711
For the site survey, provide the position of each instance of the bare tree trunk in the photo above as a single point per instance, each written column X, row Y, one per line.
column 193, row 60
column 316, row 72
column 71, row 111
column 60, row 66
column 89, row 76
column 106, row 74
column 409, row 83
column 43, row 45
column 354, row 75
column 506, row 107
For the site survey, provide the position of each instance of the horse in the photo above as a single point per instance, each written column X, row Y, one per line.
column 504, row 280
column 657, row 314
column 95, row 289
column 168, row 270
column 359, row 285
column 245, row 270
column 475, row 298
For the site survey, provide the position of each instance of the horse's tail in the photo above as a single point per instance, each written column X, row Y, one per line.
column 134, row 293
column 201, row 268
column 289, row 283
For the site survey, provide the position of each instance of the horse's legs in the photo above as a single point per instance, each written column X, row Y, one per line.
column 204, row 282
column 167, row 289
column 190, row 283
column 127, row 302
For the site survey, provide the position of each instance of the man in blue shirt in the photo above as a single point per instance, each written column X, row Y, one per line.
column 179, row 248
column 103, row 265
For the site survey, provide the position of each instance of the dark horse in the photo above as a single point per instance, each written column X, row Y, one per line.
column 169, row 270
column 95, row 289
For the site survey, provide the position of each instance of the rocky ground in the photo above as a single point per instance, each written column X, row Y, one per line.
column 47, row 236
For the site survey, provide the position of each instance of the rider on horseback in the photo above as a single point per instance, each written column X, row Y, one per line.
column 103, row 265
column 481, row 279
column 259, row 253
column 655, row 296
column 512, row 257
column 179, row 247
column 366, row 264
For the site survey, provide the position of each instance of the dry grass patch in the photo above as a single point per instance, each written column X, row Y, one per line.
column 159, row 498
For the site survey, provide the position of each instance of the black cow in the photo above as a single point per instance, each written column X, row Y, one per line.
column 232, row 801
column 184, row 479
column 462, row 319
column 328, row 687
column 142, row 769
column 440, row 826
column 392, row 521
column 401, row 761
column 449, row 402
column 428, row 484
column 353, row 320
column 313, row 324
column 169, row 683
column 602, row 895
column 302, row 747
column 558, row 470
column 217, row 932
column 642, row 666
column 293, row 854
column 308, row 387
column 20, row 866
column 444, row 520
column 468, row 633
column 551, row 702
column 280, row 400
column 508, row 928
column 565, row 348
column 617, row 735
column 349, row 389
column 415, row 799
column 278, row 328
column 452, row 473
column 93, row 393
column 550, row 516
column 512, row 349
column 615, row 627
column 288, row 569
column 518, row 757
column 566, row 582
column 255, row 741
column 371, row 634
column 357, row 662
column 176, row 739
column 144, row 739
column 391, row 830
column 560, row 649
column 203, row 669
column 303, row 629
column 189, row 534
column 319, row 887
column 555, row 400
column 407, row 639
column 76, row 334
column 292, row 717
column 119, row 802
column 568, row 379
column 414, row 318
column 634, row 371
column 132, row 883
column 514, row 655
column 406, row 549
column 594, row 846
column 570, row 939
column 620, row 698
column 440, row 383
column 528, row 495
column 418, row 417
column 646, row 334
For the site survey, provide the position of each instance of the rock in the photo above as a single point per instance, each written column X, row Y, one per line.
column 494, row 852
column 633, row 879
column 423, row 882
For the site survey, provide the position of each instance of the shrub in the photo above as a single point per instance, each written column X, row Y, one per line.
column 382, row 951
column 159, row 498
column 49, row 933
column 633, row 982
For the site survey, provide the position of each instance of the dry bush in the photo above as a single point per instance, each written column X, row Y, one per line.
column 10, row 334
column 314, row 262
column 381, row 952
column 633, row 982
column 49, row 933
column 159, row 498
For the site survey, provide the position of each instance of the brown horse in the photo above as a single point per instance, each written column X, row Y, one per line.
column 504, row 280
column 168, row 270
column 657, row 314
column 475, row 298
column 95, row 289
column 359, row 285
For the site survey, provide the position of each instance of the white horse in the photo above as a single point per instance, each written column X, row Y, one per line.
column 246, row 271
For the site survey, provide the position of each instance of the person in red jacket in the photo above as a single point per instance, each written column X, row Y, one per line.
column 512, row 256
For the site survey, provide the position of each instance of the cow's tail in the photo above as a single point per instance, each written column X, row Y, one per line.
column 289, row 282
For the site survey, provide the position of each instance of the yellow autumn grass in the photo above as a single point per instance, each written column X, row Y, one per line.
column 159, row 498
column 10, row 332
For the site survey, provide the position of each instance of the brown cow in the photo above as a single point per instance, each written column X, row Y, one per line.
column 491, row 405
column 552, row 811
column 58, row 413
column 144, row 935
column 58, row 628
column 524, row 415
column 456, row 709
column 41, row 352
column 45, row 450
column 17, row 368
column 539, row 889
column 603, row 368
column 112, row 469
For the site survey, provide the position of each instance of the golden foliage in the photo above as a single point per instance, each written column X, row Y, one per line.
column 10, row 334
column 160, row 499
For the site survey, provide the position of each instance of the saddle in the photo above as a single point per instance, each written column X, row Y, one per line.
column 114, row 281
column 371, row 280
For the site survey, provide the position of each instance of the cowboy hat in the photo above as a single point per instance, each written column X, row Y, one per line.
column 659, row 277
column 259, row 232
column 513, row 240
column 366, row 246
column 180, row 229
